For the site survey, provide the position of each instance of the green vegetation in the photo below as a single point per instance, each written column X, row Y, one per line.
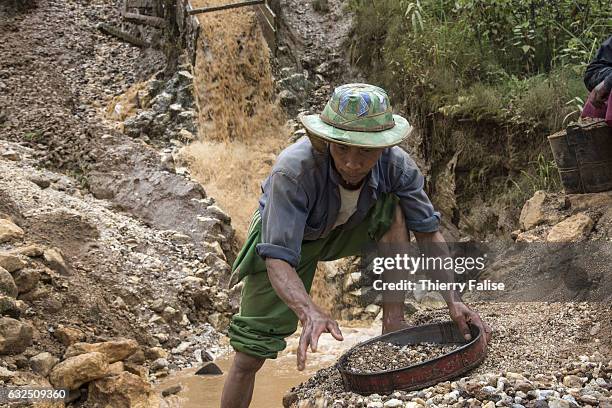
column 35, row 136
column 488, row 78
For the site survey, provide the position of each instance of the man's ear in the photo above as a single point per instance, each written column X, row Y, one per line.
column 318, row 144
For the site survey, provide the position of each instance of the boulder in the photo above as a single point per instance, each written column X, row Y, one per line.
column 7, row 284
column 174, row 389
column 154, row 353
column 372, row 309
column 529, row 236
column 540, row 209
column 125, row 390
column 572, row 381
column 141, row 371
column 28, row 250
column 10, row 307
column 571, row 229
column 42, row 363
column 68, row 335
column 532, row 214
column 137, row 358
column 26, row 279
column 558, row 403
column 11, row 262
column 9, row 231
column 6, row 374
column 115, row 368
column 114, row 350
column 55, row 260
column 171, row 315
column 78, row 370
column 159, row 364
column 15, row 335
column 393, row 403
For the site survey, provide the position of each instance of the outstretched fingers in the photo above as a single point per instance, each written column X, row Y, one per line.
column 334, row 329
column 303, row 347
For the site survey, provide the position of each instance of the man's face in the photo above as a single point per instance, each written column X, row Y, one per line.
column 354, row 163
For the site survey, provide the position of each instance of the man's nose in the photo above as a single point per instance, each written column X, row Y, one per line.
column 352, row 161
column 352, row 164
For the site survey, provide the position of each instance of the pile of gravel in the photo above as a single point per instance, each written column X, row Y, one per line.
column 586, row 382
column 383, row 356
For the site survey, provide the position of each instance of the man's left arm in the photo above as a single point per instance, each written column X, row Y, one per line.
column 434, row 245
column 424, row 222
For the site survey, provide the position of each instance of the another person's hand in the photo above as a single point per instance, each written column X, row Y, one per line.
column 314, row 323
column 462, row 315
column 600, row 95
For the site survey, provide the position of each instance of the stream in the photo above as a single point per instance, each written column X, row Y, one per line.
column 275, row 377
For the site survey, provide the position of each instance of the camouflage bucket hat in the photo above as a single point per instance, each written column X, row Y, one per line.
column 358, row 115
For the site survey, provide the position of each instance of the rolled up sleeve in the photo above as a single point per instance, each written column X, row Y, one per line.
column 417, row 208
column 283, row 219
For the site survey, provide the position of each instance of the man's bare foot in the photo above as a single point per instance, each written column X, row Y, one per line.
column 389, row 327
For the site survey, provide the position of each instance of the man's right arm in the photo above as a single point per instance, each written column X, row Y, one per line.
column 283, row 222
column 289, row 287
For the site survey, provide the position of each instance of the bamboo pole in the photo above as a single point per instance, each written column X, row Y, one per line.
column 226, row 6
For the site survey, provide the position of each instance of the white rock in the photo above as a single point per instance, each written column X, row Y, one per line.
column 393, row 403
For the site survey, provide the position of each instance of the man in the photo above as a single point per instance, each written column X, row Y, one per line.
column 326, row 198
column 598, row 75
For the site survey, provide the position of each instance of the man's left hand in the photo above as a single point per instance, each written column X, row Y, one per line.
column 462, row 315
column 600, row 94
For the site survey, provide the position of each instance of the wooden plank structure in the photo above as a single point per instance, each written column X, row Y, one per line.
column 140, row 7
column 189, row 27
column 144, row 19
column 267, row 22
column 226, row 6
column 265, row 16
column 144, row 12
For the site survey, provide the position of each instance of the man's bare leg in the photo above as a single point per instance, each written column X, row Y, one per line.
column 238, row 387
column 393, row 301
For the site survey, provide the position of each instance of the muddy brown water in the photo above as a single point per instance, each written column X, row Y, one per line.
column 275, row 377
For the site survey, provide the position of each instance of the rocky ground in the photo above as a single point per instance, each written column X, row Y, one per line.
column 113, row 262
column 539, row 343
column 585, row 382
column 311, row 58
column 58, row 70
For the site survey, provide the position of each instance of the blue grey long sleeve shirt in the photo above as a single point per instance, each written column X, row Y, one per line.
column 301, row 200
column 600, row 69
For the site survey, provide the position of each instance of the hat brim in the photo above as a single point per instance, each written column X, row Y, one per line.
column 385, row 138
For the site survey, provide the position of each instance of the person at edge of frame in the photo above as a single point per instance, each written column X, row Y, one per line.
column 598, row 74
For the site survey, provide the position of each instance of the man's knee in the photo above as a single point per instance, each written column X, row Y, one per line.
column 397, row 231
column 247, row 364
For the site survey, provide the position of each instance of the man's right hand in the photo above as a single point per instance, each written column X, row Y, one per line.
column 289, row 287
column 600, row 95
column 314, row 323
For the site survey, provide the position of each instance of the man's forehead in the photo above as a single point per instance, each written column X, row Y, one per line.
column 359, row 148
